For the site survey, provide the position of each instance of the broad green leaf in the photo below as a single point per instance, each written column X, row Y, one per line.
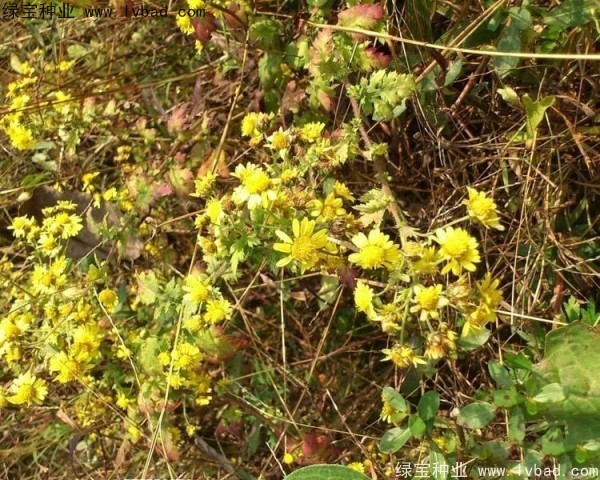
column 439, row 466
column 428, row 405
column 506, row 398
column 391, row 396
column 570, row 13
column 417, row 426
column 394, row 439
column 519, row 20
column 553, row 392
column 476, row 415
column 509, row 96
column 535, row 112
column 499, row 374
column 572, row 361
column 326, row 472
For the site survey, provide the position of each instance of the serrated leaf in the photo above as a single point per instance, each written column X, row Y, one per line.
column 476, row 415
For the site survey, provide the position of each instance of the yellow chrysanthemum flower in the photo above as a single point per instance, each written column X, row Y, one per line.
column 328, row 209
column 441, row 343
column 402, row 356
column 478, row 319
column 21, row 137
column 197, row 288
column 68, row 368
column 185, row 24
column 428, row 301
column 214, row 211
column 279, row 140
column 427, row 264
column 311, row 131
column 21, row 226
column 357, row 466
column 186, row 355
column 109, row 299
column 255, row 186
column 489, row 292
column 306, row 248
column 482, row 209
column 376, row 250
column 217, row 311
column 342, row 190
column 363, row 298
column 459, row 249
column 27, row 389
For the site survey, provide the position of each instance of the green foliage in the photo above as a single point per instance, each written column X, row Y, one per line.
column 326, row 472
column 383, row 95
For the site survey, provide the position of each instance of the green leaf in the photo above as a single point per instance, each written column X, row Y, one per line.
column 516, row 425
column 438, row 463
column 428, row 405
column 510, row 41
column 394, row 439
column 391, row 396
column 553, row 392
column 326, row 472
column 509, row 96
column 500, row 374
column 476, row 415
column 506, row 398
column 417, row 426
column 535, row 112
column 570, row 13
column 572, row 362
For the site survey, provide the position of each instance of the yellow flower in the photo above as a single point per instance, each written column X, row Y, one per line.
column 306, row 248
column 311, row 131
column 254, row 188
column 195, row 4
column 376, row 250
column 478, row 319
column 21, row 137
column 27, row 389
column 86, row 342
column 279, row 140
column 341, row 190
column 250, row 125
column 328, row 209
column 214, row 211
column 204, row 184
column 193, row 323
column 164, row 358
column 482, row 209
column 122, row 401
column 428, row 301
column 357, row 466
column 186, row 355
column 288, row 459
column 21, row 226
column 68, row 368
column 488, row 291
column 402, row 356
column 441, row 343
column 363, row 298
column 217, row 311
column 197, row 288
column 459, row 249
column 109, row 299
column 185, row 24
column 427, row 264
